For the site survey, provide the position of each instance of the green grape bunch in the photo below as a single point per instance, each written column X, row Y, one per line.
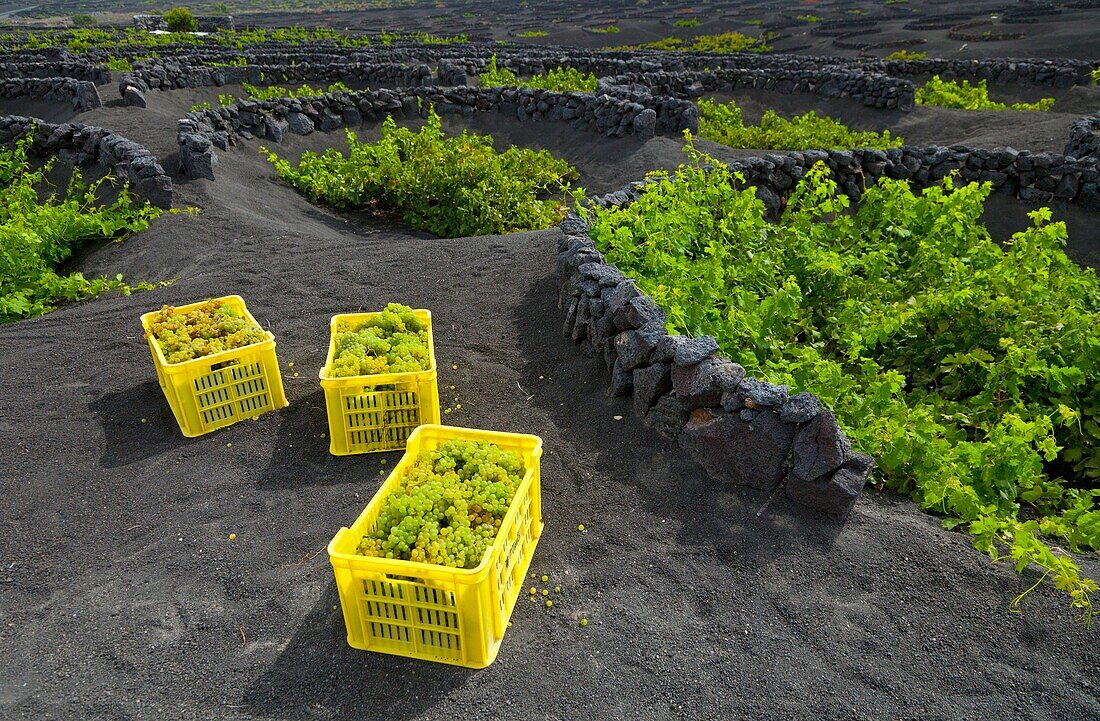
column 207, row 329
column 448, row 507
column 394, row 341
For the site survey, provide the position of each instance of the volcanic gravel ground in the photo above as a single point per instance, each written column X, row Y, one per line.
column 122, row 597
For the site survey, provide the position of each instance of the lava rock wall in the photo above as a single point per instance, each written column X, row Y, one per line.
column 871, row 89
column 81, row 93
column 742, row 430
column 1084, row 138
column 86, row 145
column 203, row 132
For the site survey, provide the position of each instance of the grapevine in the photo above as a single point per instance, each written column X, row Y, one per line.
column 452, row 186
column 961, row 94
column 730, row 42
column 210, row 328
column 275, row 92
column 395, row 341
column 970, row 370
column 723, row 123
column 448, row 506
column 561, row 80
column 40, row 228
column 904, row 54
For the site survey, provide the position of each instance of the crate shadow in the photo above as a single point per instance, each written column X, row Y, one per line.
column 737, row 523
column 127, row 439
column 319, row 673
column 300, row 456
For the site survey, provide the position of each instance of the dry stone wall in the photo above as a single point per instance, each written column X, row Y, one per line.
column 871, row 89
column 743, row 430
column 81, row 93
column 56, row 69
column 1058, row 73
column 1033, row 177
column 169, row 74
column 1084, row 138
column 87, row 145
column 203, row 132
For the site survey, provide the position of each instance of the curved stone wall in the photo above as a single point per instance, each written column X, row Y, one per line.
column 742, row 430
column 871, row 89
column 84, row 145
column 169, row 74
column 1084, row 138
column 82, row 94
column 1034, row 177
column 1061, row 73
column 76, row 70
column 202, row 132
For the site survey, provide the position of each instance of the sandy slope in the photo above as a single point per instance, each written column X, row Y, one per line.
column 122, row 597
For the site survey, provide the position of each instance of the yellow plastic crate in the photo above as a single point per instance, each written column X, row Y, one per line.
column 368, row 414
column 431, row 612
column 218, row 390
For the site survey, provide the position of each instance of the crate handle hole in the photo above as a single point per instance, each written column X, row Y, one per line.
column 407, row 579
column 224, row 364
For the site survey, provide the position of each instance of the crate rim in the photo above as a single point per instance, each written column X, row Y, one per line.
column 213, row 358
column 348, row 560
column 376, row 378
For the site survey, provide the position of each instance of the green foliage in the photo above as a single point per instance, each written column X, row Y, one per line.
column 809, row 18
column 81, row 40
column 723, row 123
column 292, row 35
column 119, row 65
column 533, row 34
column 904, row 54
column 494, row 75
column 730, row 42
column 1095, row 75
column 201, row 106
column 274, row 92
column 562, row 80
column 39, row 230
column 452, row 186
column 755, row 21
column 226, row 99
column 961, row 94
column 970, row 370
column 83, row 20
column 180, row 20
column 237, row 62
column 389, row 38
column 687, row 23
column 606, row 29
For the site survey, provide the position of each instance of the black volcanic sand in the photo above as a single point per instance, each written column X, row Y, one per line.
column 123, row 598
